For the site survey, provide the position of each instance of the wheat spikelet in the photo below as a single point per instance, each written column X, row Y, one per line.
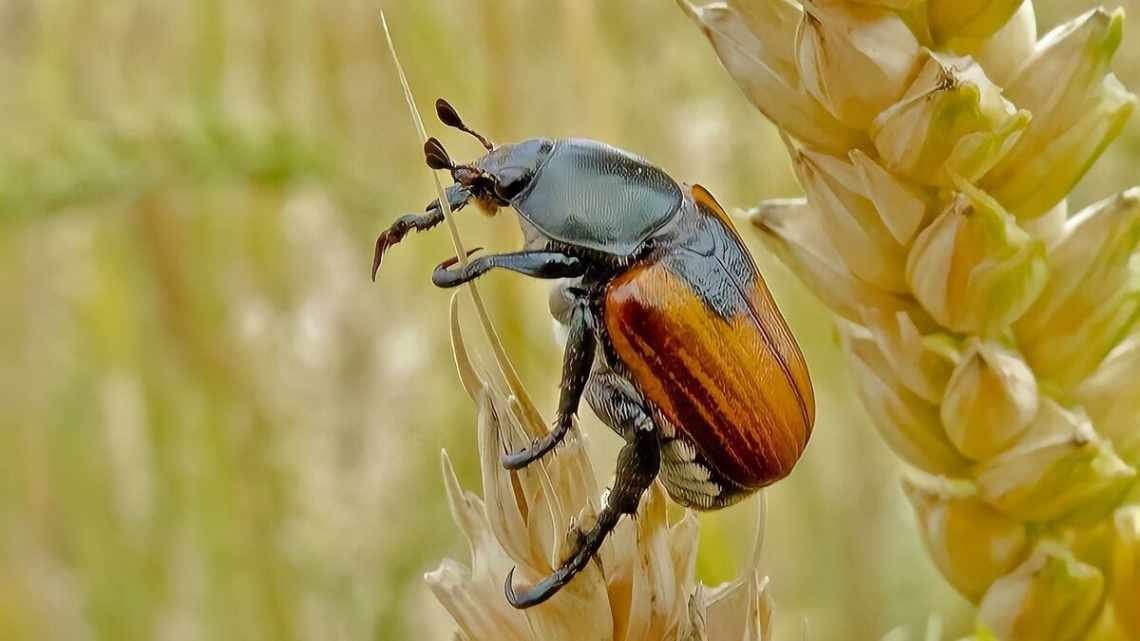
column 992, row 332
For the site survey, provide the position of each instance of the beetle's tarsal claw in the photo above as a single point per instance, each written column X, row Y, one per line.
column 444, row 276
column 538, row 448
column 389, row 237
column 378, row 253
column 450, row 262
column 384, row 242
column 535, row 594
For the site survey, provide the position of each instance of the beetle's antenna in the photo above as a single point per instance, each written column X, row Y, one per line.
column 436, row 155
column 450, row 117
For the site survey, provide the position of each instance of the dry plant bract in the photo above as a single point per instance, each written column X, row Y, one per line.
column 643, row 584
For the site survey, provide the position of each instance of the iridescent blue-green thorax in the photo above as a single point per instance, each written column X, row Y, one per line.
column 585, row 193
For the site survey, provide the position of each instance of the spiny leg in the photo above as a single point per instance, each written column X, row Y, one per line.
column 457, row 197
column 685, row 473
column 576, row 364
column 537, row 264
column 638, row 464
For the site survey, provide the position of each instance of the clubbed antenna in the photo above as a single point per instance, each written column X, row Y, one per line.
column 450, row 117
column 436, row 155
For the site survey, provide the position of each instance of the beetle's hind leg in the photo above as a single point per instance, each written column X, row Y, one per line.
column 576, row 364
column 686, row 474
column 638, row 464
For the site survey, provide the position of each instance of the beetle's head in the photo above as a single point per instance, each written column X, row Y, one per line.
column 500, row 175
column 491, row 181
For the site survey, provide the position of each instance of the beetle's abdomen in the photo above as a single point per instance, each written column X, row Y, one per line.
column 733, row 384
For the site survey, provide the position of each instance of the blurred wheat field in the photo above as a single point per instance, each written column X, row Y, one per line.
column 215, row 426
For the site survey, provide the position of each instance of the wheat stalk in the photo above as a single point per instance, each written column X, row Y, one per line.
column 506, row 367
column 992, row 333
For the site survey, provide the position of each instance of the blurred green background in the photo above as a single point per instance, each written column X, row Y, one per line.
column 213, row 426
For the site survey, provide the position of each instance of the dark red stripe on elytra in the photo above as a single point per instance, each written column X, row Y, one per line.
column 757, row 292
column 718, row 380
column 695, row 412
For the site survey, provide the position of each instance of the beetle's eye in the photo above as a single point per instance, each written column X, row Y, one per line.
column 510, row 182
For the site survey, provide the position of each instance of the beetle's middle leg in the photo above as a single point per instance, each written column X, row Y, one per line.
column 637, row 466
column 577, row 361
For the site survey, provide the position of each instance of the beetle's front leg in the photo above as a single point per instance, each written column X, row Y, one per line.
column 576, row 364
column 457, row 197
column 638, row 464
column 536, row 264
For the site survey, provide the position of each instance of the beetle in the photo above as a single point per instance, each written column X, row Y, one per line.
column 673, row 338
